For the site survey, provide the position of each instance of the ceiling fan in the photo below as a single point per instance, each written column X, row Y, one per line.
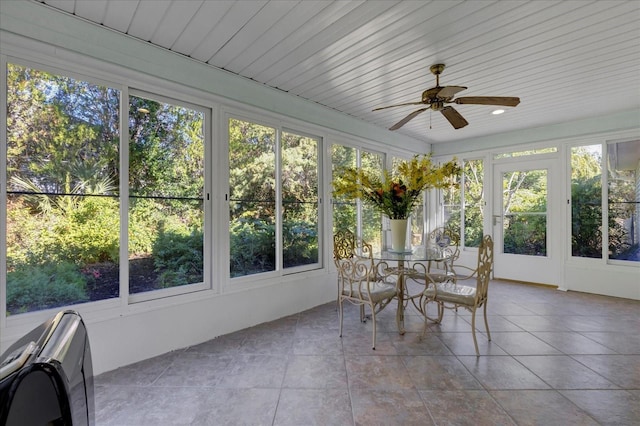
column 436, row 98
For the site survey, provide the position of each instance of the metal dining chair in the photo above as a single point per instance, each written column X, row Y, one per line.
column 450, row 295
column 358, row 280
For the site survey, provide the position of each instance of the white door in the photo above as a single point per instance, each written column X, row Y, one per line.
column 526, row 220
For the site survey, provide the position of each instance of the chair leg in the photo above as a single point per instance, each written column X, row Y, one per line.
column 373, row 319
column 473, row 330
column 363, row 318
column 340, row 314
column 423, row 306
column 486, row 323
column 440, row 312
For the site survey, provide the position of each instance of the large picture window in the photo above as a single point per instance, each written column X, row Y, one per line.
column 586, row 201
column 619, row 198
column 252, row 197
column 623, row 196
column 366, row 221
column 166, row 190
column 463, row 206
column 62, row 194
column 371, row 218
column 300, row 199
column 344, row 211
column 273, row 199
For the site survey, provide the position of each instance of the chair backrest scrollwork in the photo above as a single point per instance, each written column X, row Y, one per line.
column 446, row 240
column 485, row 268
column 344, row 244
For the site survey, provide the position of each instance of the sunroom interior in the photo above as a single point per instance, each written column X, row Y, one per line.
column 252, row 144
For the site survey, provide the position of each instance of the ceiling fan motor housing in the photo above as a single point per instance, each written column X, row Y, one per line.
column 437, row 105
column 431, row 95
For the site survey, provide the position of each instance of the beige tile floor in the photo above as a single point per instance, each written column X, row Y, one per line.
column 556, row 358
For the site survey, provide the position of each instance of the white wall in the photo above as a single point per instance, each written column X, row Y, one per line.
column 597, row 277
column 135, row 336
column 123, row 335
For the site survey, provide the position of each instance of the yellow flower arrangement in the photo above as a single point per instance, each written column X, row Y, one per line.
column 395, row 195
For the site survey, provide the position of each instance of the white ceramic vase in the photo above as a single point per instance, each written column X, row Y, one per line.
column 398, row 234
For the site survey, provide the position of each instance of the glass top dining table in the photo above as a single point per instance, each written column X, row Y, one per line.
column 403, row 269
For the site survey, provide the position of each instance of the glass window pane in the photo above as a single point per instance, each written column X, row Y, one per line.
column 471, row 190
column 252, row 196
column 166, row 187
column 417, row 224
column 624, row 200
column 63, row 228
column 525, row 212
column 451, row 208
column 586, row 201
column 372, row 163
column 299, row 200
column 344, row 211
column 473, row 206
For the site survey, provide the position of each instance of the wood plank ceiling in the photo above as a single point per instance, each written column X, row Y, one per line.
column 566, row 60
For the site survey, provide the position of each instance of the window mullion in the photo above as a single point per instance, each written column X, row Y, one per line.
column 278, row 207
column 124, row 196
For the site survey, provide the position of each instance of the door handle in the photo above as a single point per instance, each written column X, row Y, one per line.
column 496, row 219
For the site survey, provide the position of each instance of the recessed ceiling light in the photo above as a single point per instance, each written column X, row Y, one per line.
column 497, row 111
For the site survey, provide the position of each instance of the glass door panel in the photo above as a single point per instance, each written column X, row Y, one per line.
column 524, row 212
column 526, row 248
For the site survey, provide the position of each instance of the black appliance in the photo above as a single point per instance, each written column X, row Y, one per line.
column 46, row 377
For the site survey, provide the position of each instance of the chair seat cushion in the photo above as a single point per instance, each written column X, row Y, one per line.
column 379, row 291
column 452, row 293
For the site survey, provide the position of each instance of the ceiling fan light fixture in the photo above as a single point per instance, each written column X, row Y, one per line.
column 497, row 111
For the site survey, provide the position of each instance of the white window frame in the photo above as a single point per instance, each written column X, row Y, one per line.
column 267, row 277
column 124, row 199
column 93, row 75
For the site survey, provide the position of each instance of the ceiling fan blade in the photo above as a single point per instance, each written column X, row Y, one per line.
column 407, row 119
column 391, row 106
column 450, row 91
column 454, row 117
column 488, row 100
